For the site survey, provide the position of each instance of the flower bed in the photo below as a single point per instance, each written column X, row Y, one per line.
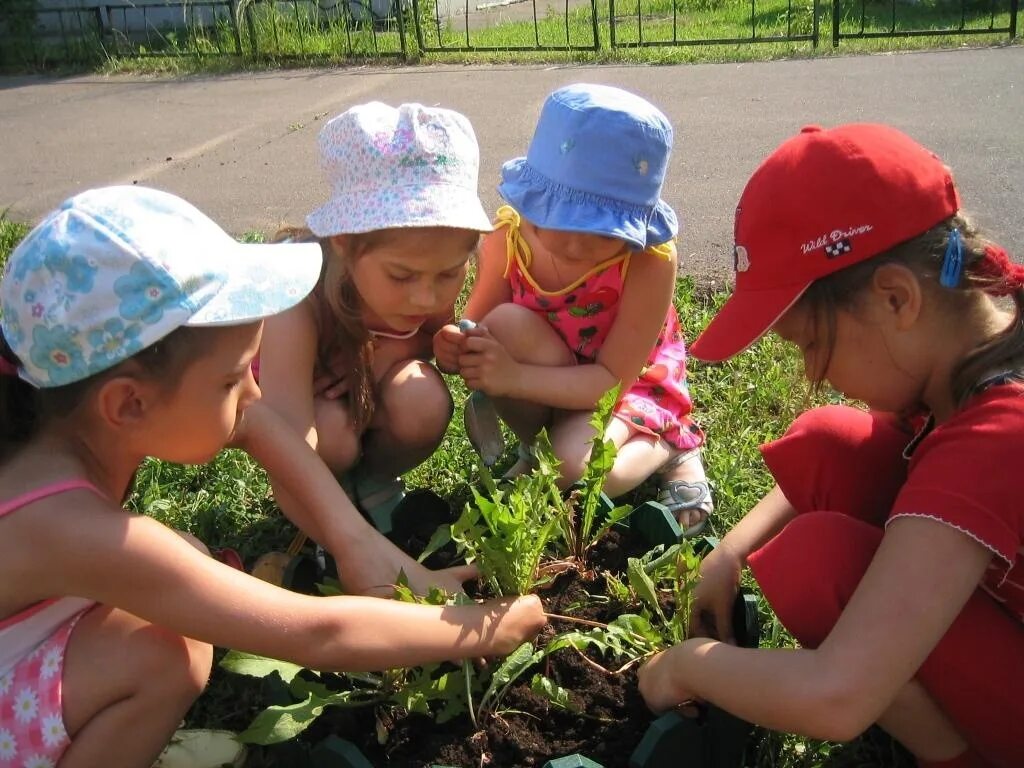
column 615, row 593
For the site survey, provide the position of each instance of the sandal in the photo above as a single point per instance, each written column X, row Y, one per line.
column 684, row 495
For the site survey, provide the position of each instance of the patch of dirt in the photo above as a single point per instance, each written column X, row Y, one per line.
column 609, row 719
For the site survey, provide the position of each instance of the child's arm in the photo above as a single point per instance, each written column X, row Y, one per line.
column 644, row 304
column 138, row 565
column 711, row 609
column 367, row 561
column 490, row 288
column 918, row 582
column 288, row 354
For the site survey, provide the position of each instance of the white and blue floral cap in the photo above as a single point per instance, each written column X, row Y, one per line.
column 405, row 166
column 116, row 269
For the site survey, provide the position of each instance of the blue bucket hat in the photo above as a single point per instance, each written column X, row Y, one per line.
column 596, row 164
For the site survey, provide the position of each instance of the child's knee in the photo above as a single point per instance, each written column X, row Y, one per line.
column 180, row 664
column 839, row 458
column 417, row 404
column 526, row 336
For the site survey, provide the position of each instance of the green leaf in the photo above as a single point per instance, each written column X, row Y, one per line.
column 517, row 662
column 242, row 663
column 441, row 536
column 552, row 691
column 643, row 586
column 276, row 724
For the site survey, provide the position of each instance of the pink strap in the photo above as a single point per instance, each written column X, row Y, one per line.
column 47, row 490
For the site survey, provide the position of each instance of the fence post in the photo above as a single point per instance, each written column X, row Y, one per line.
column 835, row 23
column 401, row 28
column 611, row 22
column 1014, row 10
column 233, row 10
column 815, row 24
column 420, row 41
column 597, row 29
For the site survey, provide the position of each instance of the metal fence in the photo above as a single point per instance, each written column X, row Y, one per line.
column 38, row 35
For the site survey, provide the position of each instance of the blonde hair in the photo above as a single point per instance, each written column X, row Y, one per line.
column 984, row 272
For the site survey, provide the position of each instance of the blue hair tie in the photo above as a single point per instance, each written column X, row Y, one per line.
column 952, row 260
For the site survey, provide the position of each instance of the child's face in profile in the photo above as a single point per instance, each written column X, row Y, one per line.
column 412, row 275
column 858, row 363
column 578, row 246
column 196, row 419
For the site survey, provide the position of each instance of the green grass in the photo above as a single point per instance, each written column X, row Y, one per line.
column 741, row 404
column 274, row 36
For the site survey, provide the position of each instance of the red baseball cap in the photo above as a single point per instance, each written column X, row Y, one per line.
column 825, row 199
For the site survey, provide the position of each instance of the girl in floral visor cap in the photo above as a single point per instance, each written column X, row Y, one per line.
column 891, row 544
column 130, row 321
column 574, row 297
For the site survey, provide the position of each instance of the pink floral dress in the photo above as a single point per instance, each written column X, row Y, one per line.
column 584, row 312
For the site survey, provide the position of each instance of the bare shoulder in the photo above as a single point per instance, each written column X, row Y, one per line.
column 43, row 542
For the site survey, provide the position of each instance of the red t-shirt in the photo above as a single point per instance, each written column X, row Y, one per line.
column 968, row 472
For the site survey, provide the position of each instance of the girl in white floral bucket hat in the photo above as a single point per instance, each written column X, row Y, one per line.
column 348, row 368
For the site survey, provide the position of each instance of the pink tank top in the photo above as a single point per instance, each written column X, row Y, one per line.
column 22, row 632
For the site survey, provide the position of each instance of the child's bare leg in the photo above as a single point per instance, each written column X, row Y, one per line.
column 639, row 457
column 412, row 414
column 916, row 722
column 528, row 339
column 337, row 442
column 126, row 685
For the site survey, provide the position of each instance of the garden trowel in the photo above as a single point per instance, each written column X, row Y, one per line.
column 481, row 420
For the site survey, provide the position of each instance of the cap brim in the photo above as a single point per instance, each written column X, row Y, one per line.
column 264, row 280
column 744, row 318
column 429, row 205
column 546, row 204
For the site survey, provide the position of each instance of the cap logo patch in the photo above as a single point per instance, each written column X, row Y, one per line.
column 837, row 249
column 837, row 242
column 740, row 259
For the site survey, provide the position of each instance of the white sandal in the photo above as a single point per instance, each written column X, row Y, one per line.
column 685, row 495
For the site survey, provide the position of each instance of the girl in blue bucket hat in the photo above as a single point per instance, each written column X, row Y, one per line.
column 574, row 296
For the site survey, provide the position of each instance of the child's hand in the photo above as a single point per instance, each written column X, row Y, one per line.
column 714, row 595
column 447, row 346
column 486, row 365
column 511, row 622
column 657, row 683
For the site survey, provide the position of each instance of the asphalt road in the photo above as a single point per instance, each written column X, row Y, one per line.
column 243, row 147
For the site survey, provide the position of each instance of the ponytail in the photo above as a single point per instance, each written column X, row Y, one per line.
column 990, row 270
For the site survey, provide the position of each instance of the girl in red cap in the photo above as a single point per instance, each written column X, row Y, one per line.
column 891, row 544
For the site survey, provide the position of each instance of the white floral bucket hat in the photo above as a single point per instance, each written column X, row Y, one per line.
column 410, row 166
column 116, row 269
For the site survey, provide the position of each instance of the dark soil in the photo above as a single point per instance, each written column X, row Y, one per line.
column 610, row 717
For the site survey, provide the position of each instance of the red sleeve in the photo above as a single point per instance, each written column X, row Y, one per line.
column 967, row 473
